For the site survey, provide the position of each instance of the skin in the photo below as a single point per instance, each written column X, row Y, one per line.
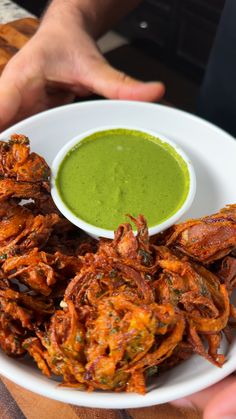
column 216, row 402
column 62, row 61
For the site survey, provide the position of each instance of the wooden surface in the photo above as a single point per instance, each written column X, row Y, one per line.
column 13, row 36
column 16, row 402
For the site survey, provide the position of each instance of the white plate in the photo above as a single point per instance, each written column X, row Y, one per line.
column 213, row 153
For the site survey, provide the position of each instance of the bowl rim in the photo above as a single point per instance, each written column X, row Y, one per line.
column 95, row 231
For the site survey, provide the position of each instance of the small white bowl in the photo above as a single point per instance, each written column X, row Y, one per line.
column 95, row 231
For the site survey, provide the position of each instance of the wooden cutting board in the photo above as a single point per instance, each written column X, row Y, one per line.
column 13, row 36
column 16, row 402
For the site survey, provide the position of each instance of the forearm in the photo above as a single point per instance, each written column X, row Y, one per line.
column 96, row 15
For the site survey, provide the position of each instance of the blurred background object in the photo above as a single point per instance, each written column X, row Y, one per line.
column 34, row 6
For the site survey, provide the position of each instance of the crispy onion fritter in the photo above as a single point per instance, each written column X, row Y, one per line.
column 107, row 315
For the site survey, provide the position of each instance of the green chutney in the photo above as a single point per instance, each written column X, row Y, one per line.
column 117, row 172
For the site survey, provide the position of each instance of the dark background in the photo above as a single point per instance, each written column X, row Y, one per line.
column 34, row 6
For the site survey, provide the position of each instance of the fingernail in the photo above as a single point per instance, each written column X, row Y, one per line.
column 184, row 403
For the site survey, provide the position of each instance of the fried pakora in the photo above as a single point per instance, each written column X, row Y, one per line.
column 207, row 239
column 133, row 308
column 107, row 314
column 17, row 162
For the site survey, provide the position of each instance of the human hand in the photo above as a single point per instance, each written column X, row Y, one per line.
column 216, row 402
column 60, row 62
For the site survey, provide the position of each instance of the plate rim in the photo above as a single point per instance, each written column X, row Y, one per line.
column 86, row 103
column 112, row 400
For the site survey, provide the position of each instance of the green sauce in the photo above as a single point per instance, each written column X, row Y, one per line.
column 117, row 172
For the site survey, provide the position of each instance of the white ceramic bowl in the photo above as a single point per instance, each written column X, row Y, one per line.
column 212, row 152
column 101, row 232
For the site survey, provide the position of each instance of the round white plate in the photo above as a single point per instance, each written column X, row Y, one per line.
column 213, row 153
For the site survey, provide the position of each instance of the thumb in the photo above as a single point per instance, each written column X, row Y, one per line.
column 113, row 84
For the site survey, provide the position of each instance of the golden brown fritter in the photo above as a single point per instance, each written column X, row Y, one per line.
column 132, row 310
column 39, row 271
column 17, row 162
column 109, row 314
column 207, row 239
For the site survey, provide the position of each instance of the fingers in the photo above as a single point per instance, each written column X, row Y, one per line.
column 10, row 102
column 208, row 400
column 223, row 404
column 24, row 82
column 113, row 84
column 18, row 89
column 26, row 92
